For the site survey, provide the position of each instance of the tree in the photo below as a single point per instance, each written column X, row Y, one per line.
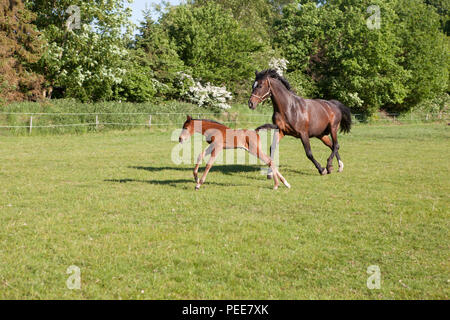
column 159, row 55
column 256, row 16
column 212, row 43
column 443, row 9
column 425, row 51
column 86, row 61
column 335, row 49
column 21, row 45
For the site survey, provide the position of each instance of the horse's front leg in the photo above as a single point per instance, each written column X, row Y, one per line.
column 204, row 154
column 214, row 152
column 307, row 146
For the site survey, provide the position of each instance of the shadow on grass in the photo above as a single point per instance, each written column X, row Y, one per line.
column 300, row 172
column 225, row 169
column 172, row 183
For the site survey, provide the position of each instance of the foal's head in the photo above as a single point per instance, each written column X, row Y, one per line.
column 188, row 129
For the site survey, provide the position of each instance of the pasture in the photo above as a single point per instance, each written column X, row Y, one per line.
column 116, row 206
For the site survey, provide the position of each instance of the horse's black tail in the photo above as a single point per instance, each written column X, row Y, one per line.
column 267, row 126
column 346, row 121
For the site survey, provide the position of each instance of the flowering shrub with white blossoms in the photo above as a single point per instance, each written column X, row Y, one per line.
column 88, row 64
column 207, row 96
column 279, row 64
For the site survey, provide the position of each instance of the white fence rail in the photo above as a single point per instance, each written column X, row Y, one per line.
column 33, row 119
column 149, row 123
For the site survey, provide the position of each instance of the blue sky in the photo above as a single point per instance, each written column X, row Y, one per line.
column 139, row 5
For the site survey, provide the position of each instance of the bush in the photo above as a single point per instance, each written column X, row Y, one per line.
column 207, row 96
column 138, row 84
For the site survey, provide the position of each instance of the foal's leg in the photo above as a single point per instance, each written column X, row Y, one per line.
column 273, row 148
column 307, row 146
column 256, row 151
column 214, row 153
column 205, row 153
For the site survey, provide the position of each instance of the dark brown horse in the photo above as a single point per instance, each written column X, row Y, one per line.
column 301, row 118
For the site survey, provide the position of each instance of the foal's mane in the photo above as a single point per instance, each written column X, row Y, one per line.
column 272, row 73
column 210, row 121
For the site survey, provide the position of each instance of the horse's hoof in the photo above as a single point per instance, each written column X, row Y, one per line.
column 341, row 166
column 330, row 170
column 324, row 172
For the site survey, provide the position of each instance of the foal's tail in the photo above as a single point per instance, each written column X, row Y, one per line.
column 346, row 121
column 267, row 126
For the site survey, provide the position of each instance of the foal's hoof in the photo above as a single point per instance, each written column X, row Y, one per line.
column 197, row 187
column 275, row 188
column 324, row 172
column 270, row 176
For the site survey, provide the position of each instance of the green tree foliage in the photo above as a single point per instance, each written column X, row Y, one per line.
column 443, row 9
column 212, row 43
column 332, row 49
column 425, row 51
column 20, row 46
column 138, row 84
column 159, row 56
column 86, row 61
column 257, row 16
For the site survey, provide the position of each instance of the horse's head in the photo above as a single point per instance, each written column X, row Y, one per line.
column 187, row 130
column 261, row 90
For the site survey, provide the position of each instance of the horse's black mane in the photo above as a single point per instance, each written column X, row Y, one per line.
column 272, row 73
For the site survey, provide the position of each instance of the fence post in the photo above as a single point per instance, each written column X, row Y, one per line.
column 150, row 121
column 31, row 123
column 96, row 121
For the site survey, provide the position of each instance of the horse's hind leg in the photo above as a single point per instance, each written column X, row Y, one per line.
column 327, row 141
column 273, row 148
column 307, row 146
column 256, row 150
column 335, row 151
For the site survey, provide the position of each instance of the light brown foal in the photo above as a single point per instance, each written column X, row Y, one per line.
column 221, row 137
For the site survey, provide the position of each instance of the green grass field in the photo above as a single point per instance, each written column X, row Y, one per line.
column 116, row 206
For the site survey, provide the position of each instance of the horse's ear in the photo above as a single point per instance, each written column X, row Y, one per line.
column 189, row 118
column 256, row 72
